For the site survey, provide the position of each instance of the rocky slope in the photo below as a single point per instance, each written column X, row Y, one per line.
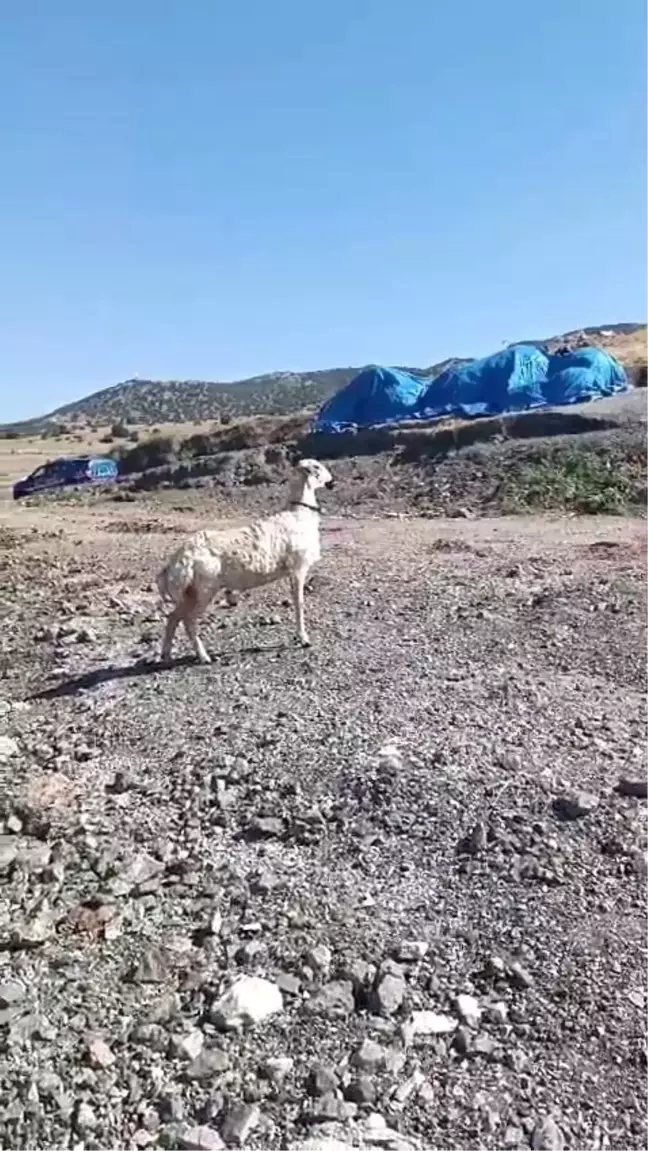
column 417, row 851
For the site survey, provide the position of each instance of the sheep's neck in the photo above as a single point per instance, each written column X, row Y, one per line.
column 304, row 497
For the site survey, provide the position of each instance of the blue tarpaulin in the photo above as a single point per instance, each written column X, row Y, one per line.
column 516, row 379
column 375, row 396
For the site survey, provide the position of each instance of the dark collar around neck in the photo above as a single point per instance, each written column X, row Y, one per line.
column 301, row 504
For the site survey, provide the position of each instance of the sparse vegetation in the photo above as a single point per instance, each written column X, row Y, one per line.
column 587, row 482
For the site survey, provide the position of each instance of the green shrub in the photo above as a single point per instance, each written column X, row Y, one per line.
column 588, row 482
column 153, row 453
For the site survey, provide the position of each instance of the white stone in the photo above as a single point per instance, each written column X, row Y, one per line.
column 199, row 1139
column 189, row 1046
column 99, row 1054
column 468, row 1009
column 8, row 748
column 249, row 1001
column 432, row 1023
column 278, row 1067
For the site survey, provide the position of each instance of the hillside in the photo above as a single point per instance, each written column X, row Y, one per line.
column 155, row 402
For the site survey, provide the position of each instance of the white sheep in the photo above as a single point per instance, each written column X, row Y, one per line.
column 284, row 546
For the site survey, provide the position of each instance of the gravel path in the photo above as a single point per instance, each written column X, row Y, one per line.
column 408, row 845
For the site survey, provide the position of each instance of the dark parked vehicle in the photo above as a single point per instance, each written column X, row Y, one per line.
column 67, row 472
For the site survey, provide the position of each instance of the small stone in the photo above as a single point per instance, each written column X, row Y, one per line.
column 519, row 976
column 8, row 748
column 331, row 1109
column 289, row 984
column 388, row 994
column 277, row 1068
column 143, row 1138
column 432, row 1023
column 153, row 967
column 334, row 1000
column 209, row 1063
column 151, row 1035
column 575, row 805
column 483, row 1045
column 495, row 967
column 8, row 852
column 405, row 1090
column 265, row 827
column 239, row 1123
column 319, row 957
column 165, row 1008
column 361, row 974
column 322, row 1080
column 514, row 1137
column 369, row 1056
column 547, row 1136
column 249, row 954
column 361, row 1090
column 199, row 1139
column 412, row 950
column 85, row 1118
column 140, row 869
column 462, row 1040
column 634, row 788
column 37, row 930
column 249, row 1001
column 468, row 1009
column 497, row 1013
column 517, row 1060
column 475, row 841
column 100, row 1055
column 187, row 1046
column 11, row 993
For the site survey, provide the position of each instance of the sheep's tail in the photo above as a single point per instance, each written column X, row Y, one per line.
column 176, row 578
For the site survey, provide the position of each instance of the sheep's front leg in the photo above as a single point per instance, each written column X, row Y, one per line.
column 297, row 581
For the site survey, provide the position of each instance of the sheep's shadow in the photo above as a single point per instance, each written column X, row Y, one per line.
column 114, row 672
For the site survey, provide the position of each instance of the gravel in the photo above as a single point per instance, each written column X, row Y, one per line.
column 388, row 892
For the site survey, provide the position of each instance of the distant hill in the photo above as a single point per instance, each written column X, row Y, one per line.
column 151, row 402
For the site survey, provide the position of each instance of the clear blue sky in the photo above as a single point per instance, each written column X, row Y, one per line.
column 202, row 189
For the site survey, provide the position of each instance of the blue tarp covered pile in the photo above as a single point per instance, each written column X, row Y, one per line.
column 515, row 380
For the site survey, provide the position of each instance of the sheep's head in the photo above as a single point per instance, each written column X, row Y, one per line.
column 315, row 474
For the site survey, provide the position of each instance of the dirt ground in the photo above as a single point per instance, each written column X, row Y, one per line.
column 424, row 813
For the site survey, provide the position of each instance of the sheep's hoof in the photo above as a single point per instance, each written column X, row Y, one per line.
column 204, row 659
column 304, row 641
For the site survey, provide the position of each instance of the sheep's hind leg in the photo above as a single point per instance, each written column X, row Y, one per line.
column 190, row 621
column 173, row 619
column 297, row 581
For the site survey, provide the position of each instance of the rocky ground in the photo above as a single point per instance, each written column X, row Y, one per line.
column 388, row 892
